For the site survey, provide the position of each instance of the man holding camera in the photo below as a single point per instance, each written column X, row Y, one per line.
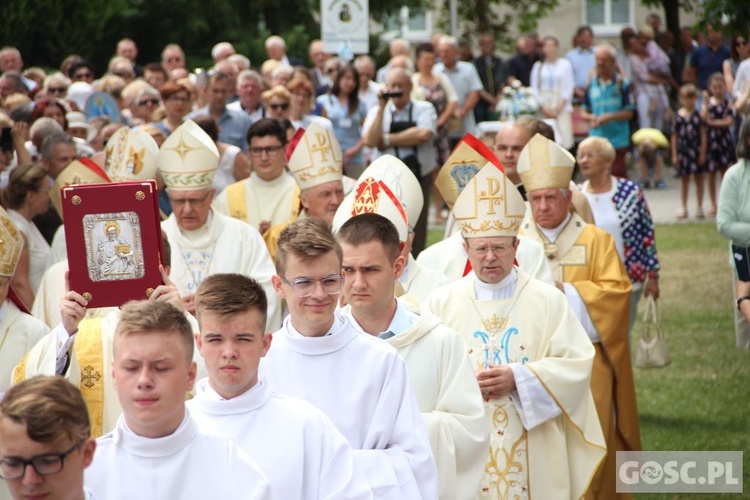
column 405, row 129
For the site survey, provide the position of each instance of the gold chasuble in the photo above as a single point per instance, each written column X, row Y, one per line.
column 536, row 328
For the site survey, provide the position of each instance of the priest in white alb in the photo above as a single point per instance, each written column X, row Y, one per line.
column 296, row 445
column 204, row 241
column 440, row 371
column 157, row 451
column 360, row 382
column 588, row 269
column 316, row 163
column 448, row 257
column 19, row 331
column 270, row 196
column 532, row 357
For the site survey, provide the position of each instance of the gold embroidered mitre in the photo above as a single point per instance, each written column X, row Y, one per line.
column 11, row 244
column 543, row 165
column 489, row 205
column 188, row 158
column 81, row 171
column 317, row 158
column 466, row 160
column 131, row 156
column 401, row 182
column 372, row 196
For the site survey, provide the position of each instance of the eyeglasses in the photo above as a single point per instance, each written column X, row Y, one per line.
column 149, row 102
column 303, row 95
column 270, row 150
column 83, row 76
column 195, row 202
column 179, row 99
column 57, row 90
column 304, row 287
column 483, row 250
column 44, row 465
column 279, row 107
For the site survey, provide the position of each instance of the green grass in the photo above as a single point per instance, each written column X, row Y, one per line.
column 702, row 400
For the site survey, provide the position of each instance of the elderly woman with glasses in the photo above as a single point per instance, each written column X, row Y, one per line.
column 177, row 102
column 276, row 102
column 56, row 85
column 620, row 208
column 302, row 104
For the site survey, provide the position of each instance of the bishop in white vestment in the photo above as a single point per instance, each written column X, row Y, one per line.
column 533, row 358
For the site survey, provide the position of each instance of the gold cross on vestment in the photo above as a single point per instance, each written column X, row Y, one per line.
column 89, row 376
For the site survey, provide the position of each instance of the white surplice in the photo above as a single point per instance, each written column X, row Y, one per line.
column 419, row 281
column 448, row 257
column 43, row 359
column 186, row 465
column 446, row 389
column 272, row 201
column 59, row 247
column 19, row 332
column 222, row 245
column 298, row 448
column 545, row 437
column 361, row 383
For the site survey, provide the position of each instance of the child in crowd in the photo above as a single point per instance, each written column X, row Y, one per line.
column 689, row 139
column 718, row 115
column 650, row 145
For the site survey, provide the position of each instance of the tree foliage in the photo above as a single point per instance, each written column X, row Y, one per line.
column 506, row 19
column 46, row 31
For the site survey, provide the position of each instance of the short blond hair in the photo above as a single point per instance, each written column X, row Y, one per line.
column 154, row 317
column 602, row 146
column 276, row 91
column 306, row 239
column 50, row 408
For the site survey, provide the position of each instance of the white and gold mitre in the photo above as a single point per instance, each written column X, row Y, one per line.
column 317, row 158
column 543, row 165
column 131, row 156
column 489, row 205
column 401, row 182
column 466, row 160
column 11, row 244
column 372, row 196
column 188, row 158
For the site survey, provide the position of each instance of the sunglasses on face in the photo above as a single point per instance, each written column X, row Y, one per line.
column 57, row 90
column 279, row 107
column 149, row 102
column 81, row 76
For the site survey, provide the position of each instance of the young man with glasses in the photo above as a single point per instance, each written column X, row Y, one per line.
column 270, row 196
column 205, row 241
column 360, row 382
column 45, row 440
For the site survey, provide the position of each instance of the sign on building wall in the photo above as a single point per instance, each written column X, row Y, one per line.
column 345, row 26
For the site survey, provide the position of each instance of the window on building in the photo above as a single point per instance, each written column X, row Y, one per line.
column 414, row 27
column 608, row 17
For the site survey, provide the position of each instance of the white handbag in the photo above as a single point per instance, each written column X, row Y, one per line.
column 652, row 346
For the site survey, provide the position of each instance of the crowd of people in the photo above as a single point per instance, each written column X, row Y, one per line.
column 326, row 352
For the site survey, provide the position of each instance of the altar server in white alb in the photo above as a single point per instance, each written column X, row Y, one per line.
column 45, row 441
column 448, row 256
column 532, row 357
column 19, row 331
column 295, row 444
column 203, row 241
column 439, row 367
column 157, row 451
column 360, row 382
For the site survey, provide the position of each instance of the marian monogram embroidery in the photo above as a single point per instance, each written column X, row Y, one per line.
column 496, row 346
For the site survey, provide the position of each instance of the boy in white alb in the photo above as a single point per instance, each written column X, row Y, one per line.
column 360, row 382
column 296, row 445
column 157, row 451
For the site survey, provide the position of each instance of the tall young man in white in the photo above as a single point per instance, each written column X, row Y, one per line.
column 359, row 382
column 439, row 368
column 295, row 444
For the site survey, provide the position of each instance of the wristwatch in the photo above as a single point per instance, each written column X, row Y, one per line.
column 739, row 301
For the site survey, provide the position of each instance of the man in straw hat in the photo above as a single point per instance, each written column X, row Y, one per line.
column 588, row 270
column 440, row 372
column 18, row 330
column 531, row 356
column 204, row 241
column 317, row 165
